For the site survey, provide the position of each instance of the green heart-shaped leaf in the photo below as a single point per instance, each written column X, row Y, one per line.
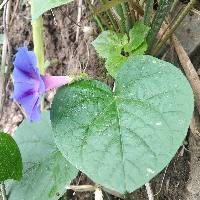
column 46, row 171
column 10, row 158
column 122, row 139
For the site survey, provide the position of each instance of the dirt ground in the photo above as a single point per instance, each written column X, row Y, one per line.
column 73, row 58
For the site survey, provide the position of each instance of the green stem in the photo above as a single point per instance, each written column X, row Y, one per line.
column 132, row 11
column 126, row 12
column 115, row 8
column 99, row 23
column 117, row 19
column 96, row 17
column 113, row 22
column 3, row 191
column 148, row 12
column 111, row 18
column 179, row 19
column 174, row 5
column 119, row 11
column 168, row 26
column 37, row 29
column 161, row 13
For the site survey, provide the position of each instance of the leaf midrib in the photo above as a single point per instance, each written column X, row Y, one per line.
column 121, row 143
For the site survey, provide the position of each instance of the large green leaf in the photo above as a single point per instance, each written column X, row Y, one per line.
column 122, row 139
column 46, row 171
column 41, row 6
column 10, row 158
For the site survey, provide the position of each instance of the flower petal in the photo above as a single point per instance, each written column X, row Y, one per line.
column 41, row 88
column 26, row 62
column 55, row 81
column 22, row 90
column 20, row 76
column 35, row 115
column 30, row 104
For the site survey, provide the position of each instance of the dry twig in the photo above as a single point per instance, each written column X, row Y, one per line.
column 196, row 11
column 98, row 194
column 161, row 185
column 3, row 4
column 14, row 12
column 192, row 76
column 149, row 191
column 92, row 188
column 5, row 52
column 189, row 70
column 82, row 188
column 78, row 18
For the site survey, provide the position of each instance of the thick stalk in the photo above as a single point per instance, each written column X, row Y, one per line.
column 37, row 29
column 189, row 70
column 169, row 33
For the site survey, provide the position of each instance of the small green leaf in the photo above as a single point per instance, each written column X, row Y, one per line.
column 137, row 36
column 109, row 43
column 41, row 7
column 10, row 158
column 46, row 172
column 124, row 138
column 47, row 63
column 140, row 50
column 114, row 63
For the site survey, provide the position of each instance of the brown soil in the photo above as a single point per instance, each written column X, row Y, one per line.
column 74, row 58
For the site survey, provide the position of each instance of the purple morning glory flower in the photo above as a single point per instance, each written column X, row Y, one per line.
column 29, row 85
